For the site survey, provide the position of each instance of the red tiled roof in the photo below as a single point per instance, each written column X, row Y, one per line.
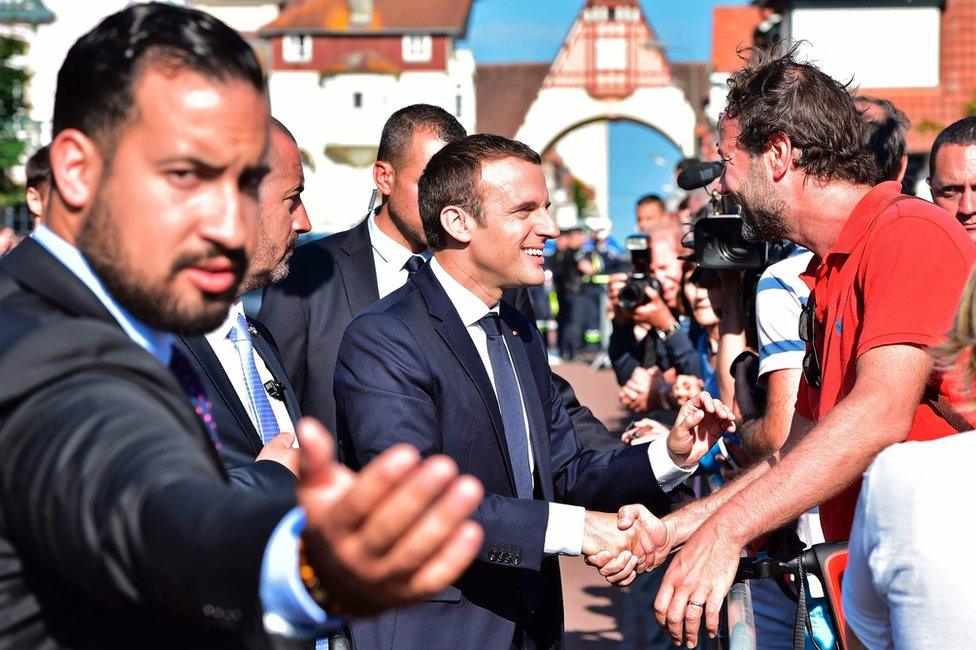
column 732, row 28
column 389, row 17
column 504, row 93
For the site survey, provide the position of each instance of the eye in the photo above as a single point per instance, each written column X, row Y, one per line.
column 182, row 177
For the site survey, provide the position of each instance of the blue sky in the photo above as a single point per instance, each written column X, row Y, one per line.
column 504, row 31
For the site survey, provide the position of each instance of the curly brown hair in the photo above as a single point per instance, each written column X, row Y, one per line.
column 775, row 93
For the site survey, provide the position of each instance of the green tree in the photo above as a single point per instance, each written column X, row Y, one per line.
column 13, row 81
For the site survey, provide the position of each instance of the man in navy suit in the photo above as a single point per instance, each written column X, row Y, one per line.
column 446, row 365
column 253, row 403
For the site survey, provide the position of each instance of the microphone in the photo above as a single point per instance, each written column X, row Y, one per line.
column 275, row 389
column 699, row 175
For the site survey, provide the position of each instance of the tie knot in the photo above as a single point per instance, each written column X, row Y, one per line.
column 240, row 331
column 413, row 264
column 492, row 325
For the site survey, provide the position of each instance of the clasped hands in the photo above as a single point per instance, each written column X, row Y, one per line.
column 624, row 544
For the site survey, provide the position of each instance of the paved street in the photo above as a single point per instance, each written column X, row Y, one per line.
column 595, row 612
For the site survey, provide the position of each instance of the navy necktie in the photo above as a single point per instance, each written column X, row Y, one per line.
column 414, row 264
column 190, row 382
column 509, row 404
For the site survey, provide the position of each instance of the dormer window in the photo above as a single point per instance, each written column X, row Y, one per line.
column 296, row 48
column 417, row 49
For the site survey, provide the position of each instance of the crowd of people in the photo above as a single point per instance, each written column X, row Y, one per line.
column 168, row 475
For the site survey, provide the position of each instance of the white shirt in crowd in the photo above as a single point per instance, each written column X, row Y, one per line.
column 389, row 257
column 564, row 532
column 911, row 579
column 230, row 360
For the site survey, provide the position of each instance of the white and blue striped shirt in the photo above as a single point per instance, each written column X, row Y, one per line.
column 780, row 296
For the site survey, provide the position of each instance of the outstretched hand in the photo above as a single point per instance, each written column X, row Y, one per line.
column 394, row 534
column 700, row 423
column 656, row 537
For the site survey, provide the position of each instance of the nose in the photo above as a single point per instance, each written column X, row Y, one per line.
column 232, row 221
column 547, row 227
column 967, row 203
column 300, row 222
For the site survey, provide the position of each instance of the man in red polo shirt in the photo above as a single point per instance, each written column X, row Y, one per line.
column 886, row 278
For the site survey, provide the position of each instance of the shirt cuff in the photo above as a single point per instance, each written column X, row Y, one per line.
column 289, row 609
column 668, row 475
column 564, row 531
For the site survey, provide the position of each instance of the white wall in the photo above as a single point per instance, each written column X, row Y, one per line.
column 242, row 15
column 879, row 48
column 586, row 152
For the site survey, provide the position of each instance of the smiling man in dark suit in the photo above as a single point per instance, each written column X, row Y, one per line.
column 335, row 278
column 447, row 365
column 254, row 405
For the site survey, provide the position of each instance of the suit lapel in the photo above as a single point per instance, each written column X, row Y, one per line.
column 357, row 269
column 452, row 330
column 267, row 354
column 538, row 431
column 207, row 359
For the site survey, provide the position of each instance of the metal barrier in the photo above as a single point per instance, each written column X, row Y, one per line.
column 741, row 621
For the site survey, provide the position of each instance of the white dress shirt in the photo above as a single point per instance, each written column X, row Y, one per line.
column 230, row 360
column 389, row 256
column 564, row 531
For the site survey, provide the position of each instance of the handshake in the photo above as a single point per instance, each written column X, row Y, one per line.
column 624, row 544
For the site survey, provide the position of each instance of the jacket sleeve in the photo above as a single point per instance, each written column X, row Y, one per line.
column 385, row 395
column 104, row 486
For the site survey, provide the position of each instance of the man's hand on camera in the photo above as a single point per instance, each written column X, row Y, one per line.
column 700, row 423
column 392, row 535
column 617, row 315
column 654, row 313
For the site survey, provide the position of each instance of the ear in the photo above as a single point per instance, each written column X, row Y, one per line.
column 902, row 168
column 458, row 223
column 780, row 155
column 384, row 175
column 76, row 167
column 33, row 199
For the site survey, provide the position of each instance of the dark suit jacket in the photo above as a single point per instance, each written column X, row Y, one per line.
column 239, row 440
column 332, row 280
column 118, row 527
column 409, row 372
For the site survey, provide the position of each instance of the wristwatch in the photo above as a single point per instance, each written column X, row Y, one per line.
column 666, row 334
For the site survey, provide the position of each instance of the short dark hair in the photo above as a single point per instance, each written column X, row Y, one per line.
column 399, row 129
column 961, row 132
column 775, row 93
column 95, row 83
column 453, row 177
column 38, row 168
column 650, row 198
column 884, row 135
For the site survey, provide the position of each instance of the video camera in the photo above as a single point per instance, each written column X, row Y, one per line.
column 717, row 238
column 632, row 295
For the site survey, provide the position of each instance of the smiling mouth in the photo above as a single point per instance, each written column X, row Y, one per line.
column 533, row 252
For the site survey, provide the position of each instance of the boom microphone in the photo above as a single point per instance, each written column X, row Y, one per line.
column 699, row 175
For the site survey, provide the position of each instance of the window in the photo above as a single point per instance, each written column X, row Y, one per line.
column 357, row 100
column 417, row 49
column 611, row 54
column 296, row 48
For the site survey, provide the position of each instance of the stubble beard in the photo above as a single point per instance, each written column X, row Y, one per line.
column 763, row 212
column 153, row 304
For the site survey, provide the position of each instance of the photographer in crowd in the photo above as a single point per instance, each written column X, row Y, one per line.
column 647, row 301
column 791, row 142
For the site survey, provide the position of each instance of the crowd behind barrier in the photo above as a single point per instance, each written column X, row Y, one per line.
column 772, row 336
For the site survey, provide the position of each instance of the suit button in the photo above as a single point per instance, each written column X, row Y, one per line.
column 491, row 557
column 516, row 560
column 506, row 557
column 208, row 610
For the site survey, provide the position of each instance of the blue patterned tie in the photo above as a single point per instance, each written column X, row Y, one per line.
column 510, row 404
column 267, row 424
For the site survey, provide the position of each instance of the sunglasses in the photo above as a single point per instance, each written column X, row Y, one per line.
column 812, row 370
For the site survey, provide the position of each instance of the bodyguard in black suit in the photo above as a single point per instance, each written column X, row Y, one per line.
column 446, row 365
column 240, row 408
column 335, row 278
column 118, row 525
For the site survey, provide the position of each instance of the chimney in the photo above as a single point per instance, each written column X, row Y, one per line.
column 361, row 12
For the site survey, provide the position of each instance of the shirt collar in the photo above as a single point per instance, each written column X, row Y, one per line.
column 222, row 330
column 861, row 217
column 386, row 247
column 159, row 344
column 469, row 307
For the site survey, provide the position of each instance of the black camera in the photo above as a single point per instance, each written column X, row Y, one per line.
column 717, row 236
column 632, row 295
